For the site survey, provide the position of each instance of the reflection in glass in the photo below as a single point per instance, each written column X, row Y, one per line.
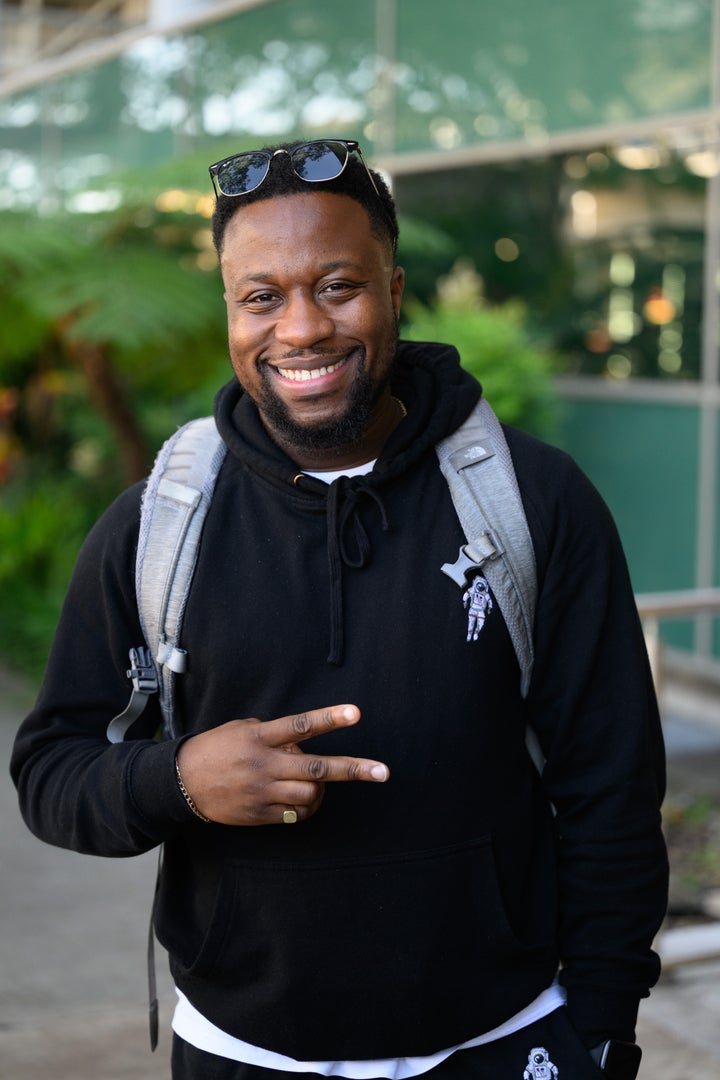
column 604, row 247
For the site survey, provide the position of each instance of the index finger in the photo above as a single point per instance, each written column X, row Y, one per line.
column 301, row 726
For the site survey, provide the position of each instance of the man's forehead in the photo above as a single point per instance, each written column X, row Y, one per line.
column 300, row 206
column 330, row 227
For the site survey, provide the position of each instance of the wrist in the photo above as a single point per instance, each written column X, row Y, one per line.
column 187, row 796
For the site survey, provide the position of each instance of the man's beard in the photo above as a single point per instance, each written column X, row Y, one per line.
column 343, row 432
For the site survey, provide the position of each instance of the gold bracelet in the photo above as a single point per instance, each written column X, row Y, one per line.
column 188, row 796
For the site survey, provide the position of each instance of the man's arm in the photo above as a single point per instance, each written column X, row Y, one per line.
column 593, row 707
column 79, row 791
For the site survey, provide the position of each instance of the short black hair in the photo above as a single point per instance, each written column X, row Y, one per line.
column 281, row 180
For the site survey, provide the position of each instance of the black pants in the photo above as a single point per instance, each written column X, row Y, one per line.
column 531, row 1054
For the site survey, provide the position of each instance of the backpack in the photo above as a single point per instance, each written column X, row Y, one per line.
column 476, row 463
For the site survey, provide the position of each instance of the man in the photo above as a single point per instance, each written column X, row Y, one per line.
column 414, row 918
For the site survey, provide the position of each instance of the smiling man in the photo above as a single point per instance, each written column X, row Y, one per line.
column 437, row 907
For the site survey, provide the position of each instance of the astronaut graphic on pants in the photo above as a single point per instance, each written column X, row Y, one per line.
column 539, row 1066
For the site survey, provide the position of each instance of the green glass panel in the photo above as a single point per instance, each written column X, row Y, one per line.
column 643, row 459
column 471, row 71
column 463, row 73
column 298, row 67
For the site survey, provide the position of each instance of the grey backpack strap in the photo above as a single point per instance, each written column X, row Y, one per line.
column 174, row 506
column 476, row 463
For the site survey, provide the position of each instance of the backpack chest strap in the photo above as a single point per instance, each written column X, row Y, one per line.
column 475, row 460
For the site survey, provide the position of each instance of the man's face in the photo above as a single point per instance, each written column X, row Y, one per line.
column 313, row 301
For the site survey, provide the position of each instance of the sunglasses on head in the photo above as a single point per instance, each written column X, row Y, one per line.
column 314, row 162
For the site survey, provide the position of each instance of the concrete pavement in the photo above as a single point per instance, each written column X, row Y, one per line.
column 72, row 950
column 73, row 937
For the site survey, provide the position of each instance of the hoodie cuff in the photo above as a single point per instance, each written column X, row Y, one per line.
column 154, row 787
column 598, row 1016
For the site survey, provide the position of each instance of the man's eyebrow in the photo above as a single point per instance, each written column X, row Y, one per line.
column 340, row 264
column 324, row 268
column 241, row 279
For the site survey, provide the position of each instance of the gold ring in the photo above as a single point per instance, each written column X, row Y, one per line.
column 289, row 816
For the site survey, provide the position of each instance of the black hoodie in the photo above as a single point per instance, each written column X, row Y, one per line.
column 410, row 916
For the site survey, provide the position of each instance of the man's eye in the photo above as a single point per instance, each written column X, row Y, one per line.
column 261, row 298
column 338, row 288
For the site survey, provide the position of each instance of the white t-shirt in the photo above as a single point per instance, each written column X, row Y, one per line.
column 357, row 470
column 195, row 1029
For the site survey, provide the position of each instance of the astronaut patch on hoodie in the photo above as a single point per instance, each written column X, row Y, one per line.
column 478, row 603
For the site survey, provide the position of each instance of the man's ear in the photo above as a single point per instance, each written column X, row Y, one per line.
column 397, row 285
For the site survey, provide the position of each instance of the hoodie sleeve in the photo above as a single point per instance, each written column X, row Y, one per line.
column 76, row 790
column 593, row 707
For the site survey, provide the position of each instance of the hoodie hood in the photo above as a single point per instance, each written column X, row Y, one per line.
column 438, row 396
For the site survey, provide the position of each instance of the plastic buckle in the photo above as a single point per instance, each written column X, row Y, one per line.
column 143, row 674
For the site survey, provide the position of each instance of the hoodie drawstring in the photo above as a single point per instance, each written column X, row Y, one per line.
column 345, row 528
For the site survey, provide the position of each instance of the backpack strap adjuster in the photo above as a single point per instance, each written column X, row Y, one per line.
column 144, row 683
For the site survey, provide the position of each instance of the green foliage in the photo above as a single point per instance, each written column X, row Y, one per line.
column 114, row 334
column 425, row 251
column 136, row 285
column 494, row 346
column 42, row 524
column 129, row 297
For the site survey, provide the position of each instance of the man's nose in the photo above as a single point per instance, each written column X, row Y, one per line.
column 303, row 323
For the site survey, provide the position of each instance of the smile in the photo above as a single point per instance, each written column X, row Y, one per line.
column 306, row 375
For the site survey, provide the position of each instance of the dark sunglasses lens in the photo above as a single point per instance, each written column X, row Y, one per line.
column 319, row 161
column 242, row 174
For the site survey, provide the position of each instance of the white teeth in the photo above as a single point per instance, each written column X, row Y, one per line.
column 303, row 375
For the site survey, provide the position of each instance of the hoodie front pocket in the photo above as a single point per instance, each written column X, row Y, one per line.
column 392, row 944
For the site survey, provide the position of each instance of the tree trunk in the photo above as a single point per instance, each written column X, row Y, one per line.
column 110, row 398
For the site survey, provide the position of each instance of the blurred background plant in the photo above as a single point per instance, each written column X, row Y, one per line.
column 495, row 345
column 114, row 334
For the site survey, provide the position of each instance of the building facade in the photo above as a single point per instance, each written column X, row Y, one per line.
column 571, row 152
